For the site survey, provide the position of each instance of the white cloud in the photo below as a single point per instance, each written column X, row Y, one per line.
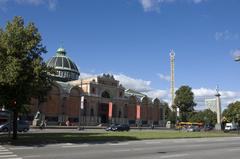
column 128, row 82
column 164, row 77
column 154, row 5
column 51, row 4
column 32, row 2
column 227, row 97
column 226, row 35
column 236, row 53
column 87, row 75
column 157, row 93
column 132, row 83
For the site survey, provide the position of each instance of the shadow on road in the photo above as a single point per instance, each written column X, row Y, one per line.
column 42, row 139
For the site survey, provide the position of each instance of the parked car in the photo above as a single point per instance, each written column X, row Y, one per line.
column 208, row 127
column 118, row 127
column 21, row 126
column 193, row 129
column 112, row 127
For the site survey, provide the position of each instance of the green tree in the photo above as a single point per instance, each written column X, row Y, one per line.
column 23, row 73
column 184, row 100
column 206, row 116
column 233, row 110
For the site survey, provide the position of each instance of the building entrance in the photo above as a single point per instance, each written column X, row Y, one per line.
column 103, row 112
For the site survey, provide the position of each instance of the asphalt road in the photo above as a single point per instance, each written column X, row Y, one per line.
column 203, row 148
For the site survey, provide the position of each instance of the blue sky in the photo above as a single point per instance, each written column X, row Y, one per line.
column 132, row 39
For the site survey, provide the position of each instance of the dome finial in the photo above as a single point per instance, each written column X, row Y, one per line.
column 61, row 51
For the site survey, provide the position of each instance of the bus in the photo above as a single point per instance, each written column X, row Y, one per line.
column 181, row 125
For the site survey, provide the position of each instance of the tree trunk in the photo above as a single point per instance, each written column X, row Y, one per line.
column 15, row 116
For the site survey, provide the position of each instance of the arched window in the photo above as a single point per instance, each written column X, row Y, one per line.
column 105, row 94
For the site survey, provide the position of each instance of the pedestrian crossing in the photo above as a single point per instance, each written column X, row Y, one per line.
column 6, row 154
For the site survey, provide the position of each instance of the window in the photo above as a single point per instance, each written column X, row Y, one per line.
column 161, row 113
column 93, row 90
column 119, row 114
column 120, row 94
column 105, row 94
column 91, row 112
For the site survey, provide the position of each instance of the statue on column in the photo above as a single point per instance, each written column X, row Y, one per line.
column 218, row 109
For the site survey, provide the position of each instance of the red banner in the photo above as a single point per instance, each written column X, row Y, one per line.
column 110, row 109
column 138, row 112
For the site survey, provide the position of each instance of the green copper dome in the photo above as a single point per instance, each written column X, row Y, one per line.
column 65, row 67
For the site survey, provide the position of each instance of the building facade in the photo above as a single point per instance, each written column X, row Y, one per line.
column 87, row 101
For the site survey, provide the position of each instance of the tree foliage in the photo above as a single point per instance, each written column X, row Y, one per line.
column 23, row 73
column 206, row 116
column 232, row 112
column 184, row 100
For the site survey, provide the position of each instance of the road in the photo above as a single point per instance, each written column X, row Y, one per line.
column 203, row 148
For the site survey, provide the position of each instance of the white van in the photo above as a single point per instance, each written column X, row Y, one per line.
column 230, row 126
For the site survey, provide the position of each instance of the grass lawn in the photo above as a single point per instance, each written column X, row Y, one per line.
column 51, row 138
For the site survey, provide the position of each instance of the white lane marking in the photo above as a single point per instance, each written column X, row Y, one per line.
column 32, row 156
column 8, row 156
column 6, row 153
column 66, row 144
column 174, row 156
column 15, row 158
column 236, row 149
column 180, row 141
column 121, row 150
column 3, row 150
column 72, row 146
column 152, row 142
column 118, row 144
column 21, row 148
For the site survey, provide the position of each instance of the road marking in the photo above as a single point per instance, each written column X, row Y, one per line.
column 6, row 153
column 5, row 156
column 72, row 146
column 174, row 156
column 32, row 156
column 15, row 158
column 2, row 150
column 66, row 144
column 237, row 149
column 123, row 150
column 152, row 142
column 180, row 141
column 119, row 144
column 21, row 148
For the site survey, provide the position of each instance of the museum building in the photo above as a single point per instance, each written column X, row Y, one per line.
column 87, row 100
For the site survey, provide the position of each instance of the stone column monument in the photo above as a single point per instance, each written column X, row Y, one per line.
column 218, row 108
